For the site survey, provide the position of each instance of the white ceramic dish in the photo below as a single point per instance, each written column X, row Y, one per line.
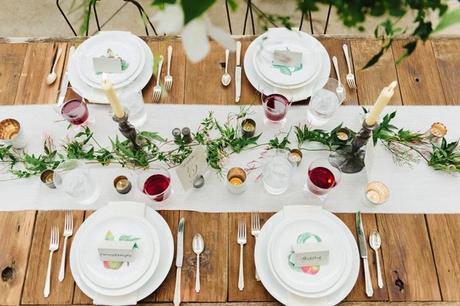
column 277, row 290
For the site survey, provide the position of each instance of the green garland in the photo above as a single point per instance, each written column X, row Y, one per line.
column 222, row 140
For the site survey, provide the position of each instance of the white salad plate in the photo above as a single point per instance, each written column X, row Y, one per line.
column 280, row 292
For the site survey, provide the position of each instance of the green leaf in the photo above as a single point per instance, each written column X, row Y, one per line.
column 161, row 3
column 233, row 5
column 193, row 8
column 448, row 19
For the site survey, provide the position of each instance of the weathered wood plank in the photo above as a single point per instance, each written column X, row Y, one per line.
column 253, row 290
column 159, row 47
column 448, row 62
column 358, row 293
column 371, row 81
column 418, row 75
column 61, row 292
column 409, row 264
column 334, row 48
column 11, row 60
column 16, row 229
column 32, row 87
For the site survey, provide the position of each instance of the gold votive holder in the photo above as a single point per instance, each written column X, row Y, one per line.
column 438, row 130
column 122, row 184
column 295, row 157
column 343, row 134
column 10, row 133
column 248, row 128
column 376, row 193
column 236, row 180
column 47, row 178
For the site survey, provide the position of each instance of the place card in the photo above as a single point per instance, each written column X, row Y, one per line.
column 105, row 64
column 121, row 251
column 310, row 254
column 287, row 58
column 194, row 165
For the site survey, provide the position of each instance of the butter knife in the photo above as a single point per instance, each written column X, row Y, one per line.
column 238, row 72
column 65, row 80
column 363, row 252
column 179, row 260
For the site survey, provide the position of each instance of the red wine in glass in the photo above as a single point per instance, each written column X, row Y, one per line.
column 75, row 111
column 157, row 186
column 322, row 178
column 275, row 106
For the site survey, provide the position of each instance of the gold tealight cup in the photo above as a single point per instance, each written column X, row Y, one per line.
column 47, row 178
column 248, row 128
column 295, row 157
column 236, row 180
column 10, row 133
column 122, row 184
column 376, row 193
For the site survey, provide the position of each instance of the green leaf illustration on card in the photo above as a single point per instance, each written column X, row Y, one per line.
column 115, row 265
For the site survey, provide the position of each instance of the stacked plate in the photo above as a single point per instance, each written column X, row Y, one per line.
column 122, row 283
column 291, row 284
column 297, row 83
column 137, row 64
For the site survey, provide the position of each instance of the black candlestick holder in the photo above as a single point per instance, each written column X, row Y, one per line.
column 350, row 159
column 127, row 129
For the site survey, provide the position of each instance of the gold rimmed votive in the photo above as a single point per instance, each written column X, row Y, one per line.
column 438, row 130
column 248, row 127
column 122, row 184
column 376, row 193
column 236, row 180
column 47, row 178
column 295, row 157
column 342, row 134
column 10, row 133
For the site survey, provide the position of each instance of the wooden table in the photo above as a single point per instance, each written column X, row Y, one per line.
column 421, row 253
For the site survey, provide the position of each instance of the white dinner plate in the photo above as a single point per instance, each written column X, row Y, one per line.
column 123, row 44
column 128, row 275
column 95, row 95
column 276, row 289
column 293, row 41
column 166, row 246
column 295, row 94
column 310, row 283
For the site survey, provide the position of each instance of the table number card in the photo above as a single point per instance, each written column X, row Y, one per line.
column 192, row 167
column 110, row 250
column 310, row 254
column 105, row 64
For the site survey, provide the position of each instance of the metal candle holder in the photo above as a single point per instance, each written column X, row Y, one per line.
column 127, row 129
column 350, row 159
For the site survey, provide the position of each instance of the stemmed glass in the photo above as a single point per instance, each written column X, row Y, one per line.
column 324, row 102
column 322, row 177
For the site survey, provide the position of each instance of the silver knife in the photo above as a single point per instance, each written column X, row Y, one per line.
column 65, row 80
column 179, row 260
column 363, row 252
column 238, row 72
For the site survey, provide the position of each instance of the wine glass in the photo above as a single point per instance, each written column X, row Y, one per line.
column 324, row 102
column 322, row 177
column 155, row 183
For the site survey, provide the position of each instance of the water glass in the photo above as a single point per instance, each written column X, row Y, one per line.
column 73, row 178
column 324, row 102
column 133, row 103
column 275, row 108
column 276, row 174
column 155, row 183
column 322, row 177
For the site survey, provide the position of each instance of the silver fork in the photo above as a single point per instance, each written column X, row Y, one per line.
column 157, row 88
column 241, row 239
column 255, row 231
column 350, row 76
column 68, row 231
column 168, row 77
column 54, row 245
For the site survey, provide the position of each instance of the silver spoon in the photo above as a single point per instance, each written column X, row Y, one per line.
column 198, row 247
column 226, row 78
column 375, row 242
column 52, row 75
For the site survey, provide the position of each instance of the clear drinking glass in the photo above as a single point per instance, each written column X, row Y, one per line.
column 322, row 177
column 275, row 107
column 73, row 178
column 155, row 183
column 276, row 174
column 133, row 102
column 324, row 102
